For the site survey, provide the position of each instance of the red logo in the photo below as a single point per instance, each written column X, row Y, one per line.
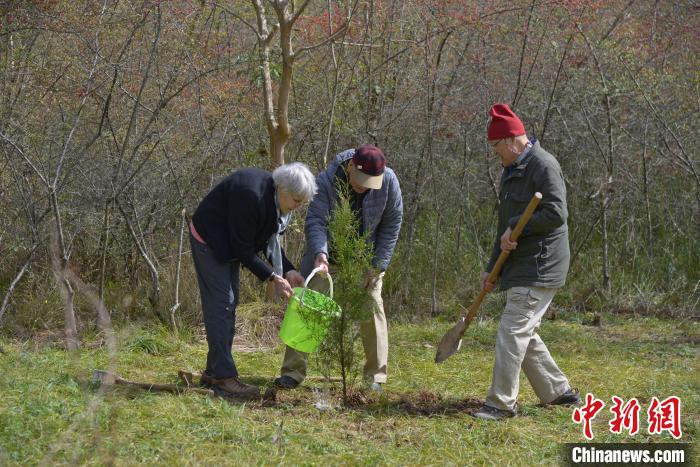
column 626, row 417
column 661, row 416
column 587, row 413
column 665, row 416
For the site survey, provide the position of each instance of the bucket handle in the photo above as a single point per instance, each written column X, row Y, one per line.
column 306, row 284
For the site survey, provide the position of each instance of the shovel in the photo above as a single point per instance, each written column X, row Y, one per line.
column 452, row 340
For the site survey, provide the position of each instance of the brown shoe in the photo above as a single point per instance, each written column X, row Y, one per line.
column 205, row 381
column 234, row 387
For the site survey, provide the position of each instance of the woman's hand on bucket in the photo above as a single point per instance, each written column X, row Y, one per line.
column 282, row 287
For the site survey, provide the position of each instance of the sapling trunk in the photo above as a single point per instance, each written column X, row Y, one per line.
column 351, row 256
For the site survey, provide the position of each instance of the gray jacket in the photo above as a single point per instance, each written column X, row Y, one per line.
column 382, row 212
column 541, row 258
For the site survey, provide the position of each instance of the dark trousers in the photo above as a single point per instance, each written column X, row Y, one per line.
column 218, row 287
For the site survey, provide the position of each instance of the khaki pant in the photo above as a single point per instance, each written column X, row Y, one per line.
column 374, row 333
column 519, row 346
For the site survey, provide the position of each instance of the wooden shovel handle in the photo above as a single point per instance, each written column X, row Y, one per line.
column 493, row 275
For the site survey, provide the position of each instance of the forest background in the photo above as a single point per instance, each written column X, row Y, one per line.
column 117, row 117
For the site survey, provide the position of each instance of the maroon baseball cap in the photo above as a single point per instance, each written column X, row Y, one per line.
column 369, row 162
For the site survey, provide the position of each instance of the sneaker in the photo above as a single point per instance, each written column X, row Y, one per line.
column 570, row 397
column 492, row 413
column 233, row 387
column 286, row 382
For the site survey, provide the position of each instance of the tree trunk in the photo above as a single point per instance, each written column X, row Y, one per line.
column 343, row 357
column 645, row 188
column 71, row 326
column 176, row 305
column 154, row 298
column 436, row 246
column 608, row 159
column 103, row 259
column 606, row 266
column 277, row 116
column 334, row 96
column 59, row 259
column 13, row 284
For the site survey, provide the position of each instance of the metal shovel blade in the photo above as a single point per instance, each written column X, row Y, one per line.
column 451, row 342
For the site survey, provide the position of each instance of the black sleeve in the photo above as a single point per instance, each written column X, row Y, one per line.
column 243, row 218
column 286, row 264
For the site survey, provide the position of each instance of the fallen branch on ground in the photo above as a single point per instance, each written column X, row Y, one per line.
column 192, row 379
column 109, row 379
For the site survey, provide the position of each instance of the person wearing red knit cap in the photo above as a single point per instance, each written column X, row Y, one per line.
column 535, row 269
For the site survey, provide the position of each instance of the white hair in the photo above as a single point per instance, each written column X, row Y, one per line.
column 296, row 180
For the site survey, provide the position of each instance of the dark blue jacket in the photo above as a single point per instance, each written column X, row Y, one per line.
column 237, row 218
column 382, row 213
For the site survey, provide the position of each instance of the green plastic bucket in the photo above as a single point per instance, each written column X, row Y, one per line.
column 308, row 316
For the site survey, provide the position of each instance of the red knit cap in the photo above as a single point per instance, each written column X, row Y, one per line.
column 504, row 123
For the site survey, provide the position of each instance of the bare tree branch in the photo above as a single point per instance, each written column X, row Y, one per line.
column 15, row 281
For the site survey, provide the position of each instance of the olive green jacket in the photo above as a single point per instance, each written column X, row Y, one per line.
column 541, row 258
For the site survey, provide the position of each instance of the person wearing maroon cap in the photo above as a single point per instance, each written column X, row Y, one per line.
column 376, row 200
column 536, row 267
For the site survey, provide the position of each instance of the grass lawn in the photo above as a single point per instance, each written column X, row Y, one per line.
column 50, row 412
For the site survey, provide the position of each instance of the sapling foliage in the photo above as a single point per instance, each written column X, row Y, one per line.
column 351, row 257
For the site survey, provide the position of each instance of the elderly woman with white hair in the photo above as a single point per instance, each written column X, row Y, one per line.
column 241, row 216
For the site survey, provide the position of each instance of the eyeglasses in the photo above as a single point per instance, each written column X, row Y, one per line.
column 493, row 145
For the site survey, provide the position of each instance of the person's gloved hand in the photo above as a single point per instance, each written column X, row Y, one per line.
column 295, row 279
